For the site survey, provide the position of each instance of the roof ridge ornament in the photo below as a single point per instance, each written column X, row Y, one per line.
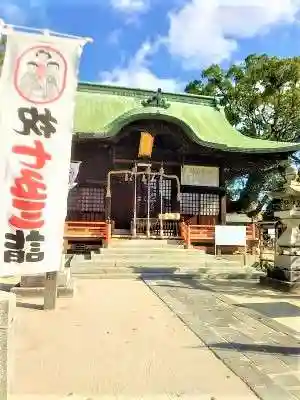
column 156, row 100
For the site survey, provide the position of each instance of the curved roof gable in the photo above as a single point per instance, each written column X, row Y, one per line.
column 101, row 111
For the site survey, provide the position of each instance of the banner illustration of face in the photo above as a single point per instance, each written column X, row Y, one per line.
column 40, row 75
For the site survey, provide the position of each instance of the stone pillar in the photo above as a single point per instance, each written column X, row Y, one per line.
column 50, row 291
column 7, row 314
column 286, row 271
column 35, row 285
column 288, row 258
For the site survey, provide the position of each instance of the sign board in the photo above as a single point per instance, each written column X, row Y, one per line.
column 272, row 233
column 229, row 235
column 194, row 175
column 37, row 92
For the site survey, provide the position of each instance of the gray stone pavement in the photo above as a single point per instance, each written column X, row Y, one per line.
column 282, row 309
column 255, row 348
column 114, row 340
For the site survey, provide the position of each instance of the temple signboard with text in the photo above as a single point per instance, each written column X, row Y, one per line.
column 195, row 175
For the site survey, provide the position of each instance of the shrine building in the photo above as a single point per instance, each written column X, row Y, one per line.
column 150, row 159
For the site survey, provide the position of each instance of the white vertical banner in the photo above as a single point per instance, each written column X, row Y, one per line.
column 73, row 173
column 37, row 97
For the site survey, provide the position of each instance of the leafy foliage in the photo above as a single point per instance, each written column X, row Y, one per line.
column 261, row 98
column 2, row 47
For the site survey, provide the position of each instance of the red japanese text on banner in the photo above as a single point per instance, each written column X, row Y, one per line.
column 37, row 96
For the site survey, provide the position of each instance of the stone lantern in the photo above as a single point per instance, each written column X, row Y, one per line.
column 286, row 270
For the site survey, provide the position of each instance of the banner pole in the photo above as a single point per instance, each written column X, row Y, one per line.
column 50, row 290
column 9, row 28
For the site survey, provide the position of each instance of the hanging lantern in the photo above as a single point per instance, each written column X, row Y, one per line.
column 146, row 145
column 153, row 178
column 144, row 180
column 126, row 177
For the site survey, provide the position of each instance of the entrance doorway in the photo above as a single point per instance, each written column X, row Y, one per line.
column 122, row 203
column 147, row 191
column 141, row 199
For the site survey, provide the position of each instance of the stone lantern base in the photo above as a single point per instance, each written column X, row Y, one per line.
column 289, row 266
column 285, row 286
column 286, row 270
column 285, row 274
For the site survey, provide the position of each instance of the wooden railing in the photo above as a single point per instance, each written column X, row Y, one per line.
column 169, row 227
column 86, row 231
column 197, row 233
column 206, row 234
column 252, row 232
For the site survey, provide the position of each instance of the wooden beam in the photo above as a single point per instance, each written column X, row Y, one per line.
column 223, row 197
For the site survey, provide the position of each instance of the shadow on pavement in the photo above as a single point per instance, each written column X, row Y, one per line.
column 30, row 306
column 261, row 348
column 6, row 287
column 145, row 271
column 228, row 287
column 274, row 309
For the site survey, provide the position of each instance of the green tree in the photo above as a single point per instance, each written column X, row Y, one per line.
column 2, row 47
column 261, row 98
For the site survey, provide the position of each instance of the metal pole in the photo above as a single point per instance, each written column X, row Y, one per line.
column 134, row 209
column 7, row 356
column 148, row 202
column 161, row 203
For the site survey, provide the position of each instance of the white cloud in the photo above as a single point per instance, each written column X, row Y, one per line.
column 203, row 32
column 20, row 12
column 114, row 37
column 130, row 6
column 138, row 74
column 11, row 12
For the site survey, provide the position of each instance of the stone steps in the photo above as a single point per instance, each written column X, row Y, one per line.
column 210, row 274
column 145, row 243
column 125, row 268
column 163, row 258
column 156, row 263
column 171, row 257
column 136, row 258
column 152, row 250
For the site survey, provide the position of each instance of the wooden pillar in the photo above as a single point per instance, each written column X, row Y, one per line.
column 175, row 202
column 108, row 208
column 223, row 197
column 223, row 202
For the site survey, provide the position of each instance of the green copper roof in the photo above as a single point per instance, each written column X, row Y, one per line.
column 101, row 111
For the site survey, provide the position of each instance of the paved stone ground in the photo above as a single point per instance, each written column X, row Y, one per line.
column 115, row 338
column 251, row 345
column 278, row 306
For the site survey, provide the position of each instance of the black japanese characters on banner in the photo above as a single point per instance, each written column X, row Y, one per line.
column 15, row 246
column 29, row 191
column 42, row 124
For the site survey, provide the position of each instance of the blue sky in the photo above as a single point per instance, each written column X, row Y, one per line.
column 163, row 43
